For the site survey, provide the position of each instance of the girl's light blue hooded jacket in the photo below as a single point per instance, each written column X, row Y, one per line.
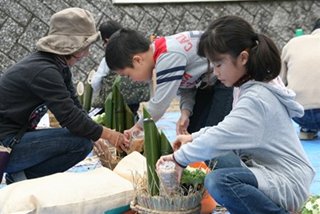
column 260, row 128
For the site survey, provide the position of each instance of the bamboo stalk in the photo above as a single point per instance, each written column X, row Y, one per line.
column 118, row 107
column 118, row 120
column 108, row 106
column 80, row 91
column 87, row 97
column 165, row 146
column 114, row 103
column 114, row 118
column 129, row 117
column 152, row 152
column 146, row 114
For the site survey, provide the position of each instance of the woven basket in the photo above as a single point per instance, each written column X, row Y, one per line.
column 167, row 204
column 144, row 210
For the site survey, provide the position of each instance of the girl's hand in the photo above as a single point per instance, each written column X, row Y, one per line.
column 183, row 122
column 164, row 158
column 180, row 140
column 179, row 171
column 178, row 168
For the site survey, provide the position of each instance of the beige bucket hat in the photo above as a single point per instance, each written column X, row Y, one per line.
column 70, row 30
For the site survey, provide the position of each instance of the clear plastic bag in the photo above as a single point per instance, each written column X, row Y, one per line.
column 168, row 178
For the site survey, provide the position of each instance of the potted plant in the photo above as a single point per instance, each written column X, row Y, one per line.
column 152, row 194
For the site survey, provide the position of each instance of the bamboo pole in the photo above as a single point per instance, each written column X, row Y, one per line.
column 108, row 106
column 87, row 98
column 80, row 91
column 165, row 146
column 152, row 152
column 119, row 108
column 129, row 117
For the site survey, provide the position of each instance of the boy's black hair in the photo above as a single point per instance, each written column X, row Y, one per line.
column 108, row 28
column 122, row 46
column 316, row 24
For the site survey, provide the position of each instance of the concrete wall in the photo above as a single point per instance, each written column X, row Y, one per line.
column 23, row 22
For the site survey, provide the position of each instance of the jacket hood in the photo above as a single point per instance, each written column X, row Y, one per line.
column 285, row 96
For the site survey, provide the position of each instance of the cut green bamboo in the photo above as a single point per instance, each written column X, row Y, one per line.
column 114, row 118
column 90, row 76
column 118, row 114
column 152, row 152
column 145, row 112
column 87, row 97
column 121, row 114
column 118, row 108
column 114, row 102
column 80, row 91
column 129, row 117
column 108, row 106
column 165, row 146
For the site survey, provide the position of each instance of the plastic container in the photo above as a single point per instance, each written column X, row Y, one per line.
column 299, row 32
column 168, row 177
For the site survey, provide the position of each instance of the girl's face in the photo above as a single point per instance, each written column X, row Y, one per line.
column 228, row 69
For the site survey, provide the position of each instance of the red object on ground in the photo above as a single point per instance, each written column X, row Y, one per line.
column 208, row 204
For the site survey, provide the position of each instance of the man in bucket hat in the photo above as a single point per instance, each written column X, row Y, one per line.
column 43, row 81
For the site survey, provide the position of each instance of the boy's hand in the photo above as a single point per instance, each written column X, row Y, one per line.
column 183, row 122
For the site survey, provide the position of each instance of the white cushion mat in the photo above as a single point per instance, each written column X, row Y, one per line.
column 95, row 191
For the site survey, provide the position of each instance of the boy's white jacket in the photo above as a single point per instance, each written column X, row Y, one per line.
column 260, row 128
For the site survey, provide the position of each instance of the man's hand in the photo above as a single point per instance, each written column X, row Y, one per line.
column 101, row 149
column 116, row 138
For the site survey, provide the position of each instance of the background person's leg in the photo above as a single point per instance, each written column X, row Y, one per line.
column 221, row 106
column 212, row 104
column 200, row 110
column 309, row 124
